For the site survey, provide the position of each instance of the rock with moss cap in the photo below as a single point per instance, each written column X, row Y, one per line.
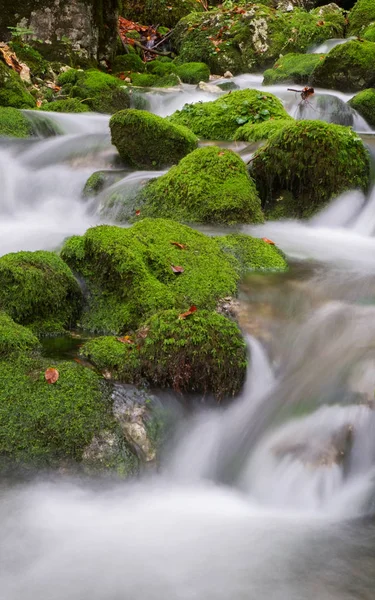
column 38, row 289
column 13, row 91
column 203, row 353
column 252, row 254
column 220, row 119
column 69, row 105
column 292, row 68
column 101, row 92
column 149, row 80
column 369, row 33
column 15, row 339
column 261, row 131
column 313, row 160
column 13, row 123
column 364, row 104
column 193, row 72
column 348, row 67
column 210, row 185
column 361, row 15
column 128, row 62
column 147, row 141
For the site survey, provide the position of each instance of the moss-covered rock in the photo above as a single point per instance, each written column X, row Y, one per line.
column 362, row 14
column 163, row 12
column 204, row 353
column 99, row 181
column 193, row 72
column 364, row 104
column 151, row 80
column 314, row 161
column 369, row 33
column 220, row 119
column 101, row 92
column 210, row 185
column 13, row 123
column 15, row 339
column 39, row 67
column 38, row 289
column 260, row 131
column 147, row 141
column 348, row 67
column 254, row 37
column 128, row 62
column 13, row 91
column 70, row 105
column 252, row 254
column 293, row 68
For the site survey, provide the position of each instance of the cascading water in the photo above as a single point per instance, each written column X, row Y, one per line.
column 270, row 497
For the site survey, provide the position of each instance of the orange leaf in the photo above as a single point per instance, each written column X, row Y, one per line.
column 125, row 340
column 177, row 270
column 51, row 375
column 268, row 241
column 137, row 212
column 181, row 246
column 189, row 312
column 221, row 153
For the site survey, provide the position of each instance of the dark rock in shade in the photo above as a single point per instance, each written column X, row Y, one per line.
column 163, row 13
column 312, row 160
column 364, row 104
column 147, row 141
column 326, row 107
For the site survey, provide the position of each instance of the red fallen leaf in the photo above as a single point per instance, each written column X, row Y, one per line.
column 51, row 375
column 320, row 23
column 125, row 339
column 177, row 270
column 181, row 246
column 77, row 360
column 268, row 241
column 137, row 212
column 189, row 312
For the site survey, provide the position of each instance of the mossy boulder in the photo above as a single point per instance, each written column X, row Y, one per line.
column 261, row 131
column 220, row 119
column 13, row 123
column 99, row 181
column 128, row 62
column 292, row 68
column 369, row 33
column 204, row 353
column 210, row 185
column 39, row 67
column 164, row 12
column 13, row 91
column 252, row 254
column 253, row 38
column 312, row 160
column 193, row 72
column 147, row 141
column 129, row 273
column 364, row 104
column 149, row 80
column 38, row 289
column 348, row 67
column 69, row 105
column 15, row 339
column 101, row 92
column 361, row 15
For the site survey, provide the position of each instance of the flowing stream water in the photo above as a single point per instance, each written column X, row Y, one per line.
column 270, row 497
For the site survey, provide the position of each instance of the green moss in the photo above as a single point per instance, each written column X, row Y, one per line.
column 34, row 60
column 13, row 91
column 101, row 92
column 219, row 119
column 252, row 254
column 293, row 68
column 128, row 62
column 160, row 68
column 42, row 423
column 362, row 14
column 150, row 80
column 148, row 141
column 348, row 67
column 204, row 353
column 13, row 123
column 164, row 12
column 369, row 33
column 68, row 77
column 364, row 104
column 70, row 105
column 314, row 161
column 210, row 185
column 193, row 72
column 37, row 287
column 15, row 339
column 261, row 131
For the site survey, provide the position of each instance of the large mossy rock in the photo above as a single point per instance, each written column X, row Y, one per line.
column 362, row 15
column 70, row 105
column 312, row 160
column 203, row 353
column 348, row 67
column 252, row 254
column 13, row 123
column 38, row 289
column 364, row 104
column 292, row 68
column 210, row 185
column 99, row 91
column 147, row 141
column 130, row 273
column 15, row 339
column 13, row 91
column 252, row 37
column 220, row 119
column 261, row 131
column 162, row 12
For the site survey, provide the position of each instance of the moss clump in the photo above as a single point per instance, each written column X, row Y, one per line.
column 13, row 123
column 13, row 91
column 101, row 92
column 15, row 339
column 165, row 12
column 210, row 185
column 128, row 62
column 193, row 72
column 293, row 68
column 150, row 80
column 70, row 105
column 41, row 423
column 362, row 14
column 314, row 161
column 369, row 33
column 364, row 104
column 348, row 67
column 261, row 131
column 38, row 66
column 69, row 77
column 148, row 141
column 204, row 353
column 39, row 290
column 252, row 254
column 220, row 119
